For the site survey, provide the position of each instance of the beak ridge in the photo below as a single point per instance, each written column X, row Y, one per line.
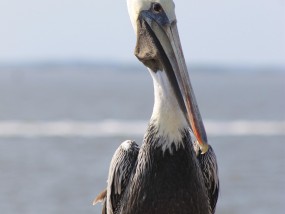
column 159, row 48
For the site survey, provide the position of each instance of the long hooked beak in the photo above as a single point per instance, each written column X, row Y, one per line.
column 159, row 48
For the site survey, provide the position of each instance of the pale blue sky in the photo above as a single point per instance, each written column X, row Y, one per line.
column 243, row 32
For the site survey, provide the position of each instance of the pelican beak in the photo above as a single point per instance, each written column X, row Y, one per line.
column 159, row 48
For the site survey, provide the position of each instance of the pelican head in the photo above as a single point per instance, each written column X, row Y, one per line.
column 159, row 48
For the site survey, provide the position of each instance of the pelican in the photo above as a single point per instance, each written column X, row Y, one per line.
column 175, row 169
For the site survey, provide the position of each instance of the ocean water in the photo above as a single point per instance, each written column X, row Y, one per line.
column 59, row 127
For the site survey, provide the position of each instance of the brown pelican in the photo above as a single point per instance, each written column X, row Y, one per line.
column 175, row 170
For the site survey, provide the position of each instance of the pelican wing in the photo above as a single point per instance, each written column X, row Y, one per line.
column 209, row 167
column 121, row 167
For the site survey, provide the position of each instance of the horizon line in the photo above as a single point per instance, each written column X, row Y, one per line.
column 116, row 64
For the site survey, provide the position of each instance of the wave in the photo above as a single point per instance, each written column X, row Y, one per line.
column 112, row 128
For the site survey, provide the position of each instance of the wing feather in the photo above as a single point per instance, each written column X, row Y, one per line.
column 120, row 170
column 209, row 167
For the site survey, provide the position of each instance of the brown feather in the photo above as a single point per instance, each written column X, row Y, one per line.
column 100, row 197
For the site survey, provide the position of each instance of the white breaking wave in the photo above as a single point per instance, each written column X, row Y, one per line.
column 112, row 128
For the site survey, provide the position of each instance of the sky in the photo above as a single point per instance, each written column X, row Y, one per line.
column 236, row 32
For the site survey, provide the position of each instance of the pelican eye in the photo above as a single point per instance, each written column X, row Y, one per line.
column 156, row 7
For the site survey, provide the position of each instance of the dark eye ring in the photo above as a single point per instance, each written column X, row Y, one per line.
column 156, row 7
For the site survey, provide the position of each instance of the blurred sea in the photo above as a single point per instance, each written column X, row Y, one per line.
column 60, row 125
